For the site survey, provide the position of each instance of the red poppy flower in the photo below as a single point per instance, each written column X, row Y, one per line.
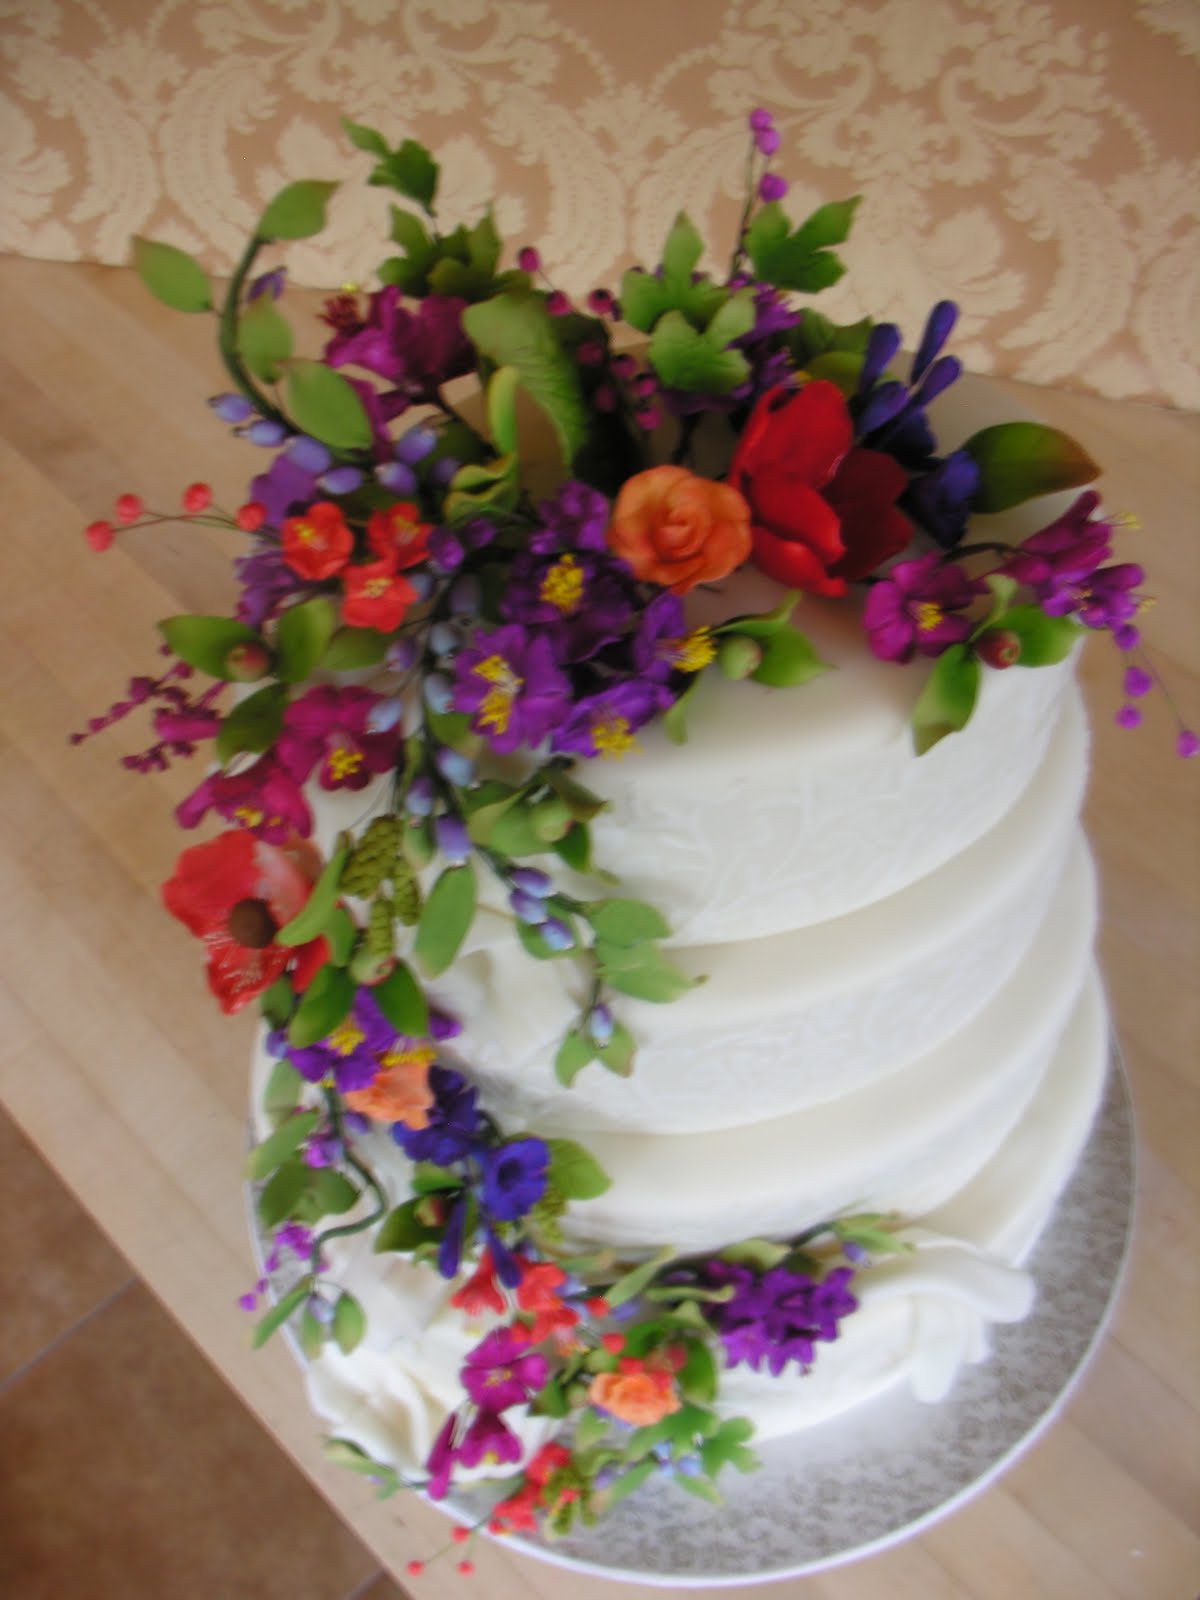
column 235, row 893
column 317, row 543
column 822, row 511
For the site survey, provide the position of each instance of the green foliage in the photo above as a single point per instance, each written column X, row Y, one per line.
column 402, row 1002
column 323, row 403
column 264, row 339
column 788, row 659
column 402, row 1230
column 326, row 1192
column 279, row 1313
column 205, row 642
column 322, row 1006
column 646, row 296
column 574, row 1172
column 171, row 275
column 626, row 922
column 445, row 918
column 642, row 972
column 727, row 1447
column 302, row 637
column 617, row 1055
column 297, row 211
column 309, row 922
column 514, row 329
column 946, row 702
column 278, row 1146
column 281, row 1191
column 573, row 1054
column 704, row 362
column 800, row 258
column 351, row 649
column 633, row 1282
column 349, row 1323
column 1044, row 640
column 284, row 1086
column 409, row 168
column 253, row 724
column 1020, row 460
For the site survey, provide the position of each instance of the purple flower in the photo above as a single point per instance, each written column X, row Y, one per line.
column 1061, row 563
column 284, row 487
column 575, row 519
column 514, row 1178
column 779, row 1316
column 501, row 1371
column 350, row 1053
column 453, row 1128
column 882, row 422
column 507, row 681
column 267, row 582
column 486, row 1439
column 329, row 728
column 264, row 798
column 604, row 723
column 415, row 351
column 911, row 610
column 940, row 500
column 584, row 600
column 450, row 1246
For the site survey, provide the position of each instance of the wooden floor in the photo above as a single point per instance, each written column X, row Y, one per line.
column 128, row 1469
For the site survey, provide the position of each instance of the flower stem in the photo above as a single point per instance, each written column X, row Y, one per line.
column 227, row 336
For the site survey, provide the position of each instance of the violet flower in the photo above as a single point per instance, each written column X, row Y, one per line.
column 585, row 600
column 574, row 519
column 940, row 500
column 604, row 723
column 415, row 351
column 911, row 610
column 779, row 1316
column 514, row 1178
column 454, row 1128
column 267, row 583
column 350, row 1053
column 507, row 681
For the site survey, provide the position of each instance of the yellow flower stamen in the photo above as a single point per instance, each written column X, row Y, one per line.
column 693, row 652
column 496, row 706
column 413, row 1055
column 929, row 614
column 305, row 533
column 343, row 762
column 249, row 817
column 562, row 587
column 374, row 587
column 612, row 737
column 345, row 1038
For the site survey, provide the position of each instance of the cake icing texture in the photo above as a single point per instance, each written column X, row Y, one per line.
column 662, row 887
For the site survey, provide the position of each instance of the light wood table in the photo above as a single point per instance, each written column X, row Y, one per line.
column 118, row 1067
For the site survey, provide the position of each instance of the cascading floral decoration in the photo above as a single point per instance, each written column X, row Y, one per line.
column 505, row 641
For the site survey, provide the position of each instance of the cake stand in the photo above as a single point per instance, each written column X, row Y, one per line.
column 892, row 1467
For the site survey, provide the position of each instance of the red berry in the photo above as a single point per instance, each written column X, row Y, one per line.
column 466, row 1568
column 99, row 535
column 460, row 1535
column 597, row 1307
column 614, row 1343
column 528, row 259
column 196, row 497
column 415, row 1568
column 557, row 303
column 128, row 508
column 251, row 516
column 497, row 1527
column 999, row 647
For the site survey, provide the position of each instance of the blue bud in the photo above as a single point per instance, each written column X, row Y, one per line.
column 600, row 1024
column 319, row 1310
column 418, row 801
column 528, row 907
column 277, row 1042
column 690, row 1467
column 439, row 693
column 401, row 654
column 231, row 407
column 442, row 471
column 464, row 596
column 265, row 432
column 444, row 638
column 341, row 480
column 394, row 475
column 384, row 715
column 310, row 454
column 532, row 880
column 661, row 1452
column 454, row 766
column 556, row 934
column 414, row 445
column 422, row 584
column 453, row 841
column 605, row 1478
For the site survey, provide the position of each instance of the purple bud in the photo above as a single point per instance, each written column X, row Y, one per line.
column 264, row 432
column 528, row 907
column 647, row 418
column 944, row 371
column 453, row 841
column 319, row 1310
column 557, row 303
column 1137, row 682
column 276, row 1042
column 853, row 1252
column 309, row 454
column 465, row 596
column 882, row 344
column 439, row 693
column 341, row 480
column 690, row 1467
column 414, row 445
column 418, row 801
column 400, row 655
column 760, row 119
column 771, row 186
column 444, row 638
column 231, row 407
column 556, row 934
column 445, row 551
column 384, row 715
column 937, row 330
column 394, row 475
column 1187, row 744
column 623, row 366
column 1128, row 717
column 766, row 141
column 884, row 402
column 442, row 471
column 478, row 533
column 422, row 584
column 454, row 766
column 605, row 1478
column 604, row 397
column 1126, row 636
column 442, row 1026
column 600, row 301
column 600, row 1024
column 531, row 880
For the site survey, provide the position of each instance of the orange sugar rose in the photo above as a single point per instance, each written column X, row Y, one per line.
column 399, row 1091
column 679, row 530
column 635, row 1394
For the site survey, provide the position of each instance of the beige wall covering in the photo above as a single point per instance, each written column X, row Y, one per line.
column 1038, row 162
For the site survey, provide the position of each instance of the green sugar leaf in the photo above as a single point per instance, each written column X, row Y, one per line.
column 799, row 259
column 205, row 642
column 626, row 922
column 327, row 1193
column 698, row 1375
column 650, row 978
column 311, row 1335
column 279, row 1313
column 634, row 1281
column 284, row 1086
column 572, row 1056
column 945, row 704
column 264, row 338
column 364, row 138
column 297, row 211
column 788, row 658
column 701, row 1488
column 502, row 409
column 1044, row 640
column 445, row 918
column 689, row 360
column 829, row 224
column 1018, row 461
column 341, row 932
column 349, row 1323
column 253, row 723
column 514, row 329
column 278, row 1146
column 323, row 1005
column 352, row 649
column 574, row 1172
column 281, row 1191
column 411, row 171
column 617, row 1055
column 323, row 403
column 402, row 1230
column 309, row 922
column 402, row 1002
column 171, row 275
column 302, row 637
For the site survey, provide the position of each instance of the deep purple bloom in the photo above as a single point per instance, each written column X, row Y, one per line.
column 575, row 519
column 514, row 1178
column 267, row 583
column 912, row 609
column 453, row 1130
column 329, row 728
column 450, row 1246
column 502, row 1371
column 1061, row 563
column 779, row 1316
column 284, row 487
column 940, row 501
column 416, row 351
column 507, row 681
column 661, row 630
column 350, row 1053
column 584, row 601
column 263, row 798
column 604, row 723
column 881, row 423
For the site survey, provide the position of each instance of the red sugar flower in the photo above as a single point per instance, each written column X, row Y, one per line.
column 375, row 596
column 397, row 534
column 479, row 1293
column 317, row 543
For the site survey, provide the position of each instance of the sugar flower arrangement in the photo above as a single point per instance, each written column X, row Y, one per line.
column 413, row 623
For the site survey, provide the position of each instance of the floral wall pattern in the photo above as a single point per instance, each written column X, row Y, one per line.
column 1038, row 159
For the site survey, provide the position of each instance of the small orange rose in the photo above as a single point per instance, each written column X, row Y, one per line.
column 399, row 1091
column 679, row 530
column 639, row 1396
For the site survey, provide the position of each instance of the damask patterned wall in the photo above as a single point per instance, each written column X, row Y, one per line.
column 1040, row 162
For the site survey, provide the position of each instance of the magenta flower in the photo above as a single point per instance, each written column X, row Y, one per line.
column 502, row 1371
column 913, row 609
column 264, row 799
column 507, row 680
column 415, row 351
column 329, row 728
column 487, row 1439
column 1057, row 559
